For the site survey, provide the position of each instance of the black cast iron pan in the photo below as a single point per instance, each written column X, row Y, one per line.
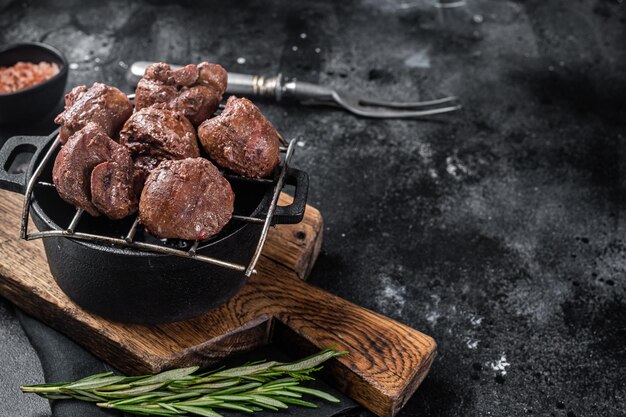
column 130, row 285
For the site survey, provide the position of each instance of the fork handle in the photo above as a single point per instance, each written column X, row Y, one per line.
column 307, row 93
column 276, row 88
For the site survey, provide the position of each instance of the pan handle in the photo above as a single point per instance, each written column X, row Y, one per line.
column 294, row 212
column 16, row 181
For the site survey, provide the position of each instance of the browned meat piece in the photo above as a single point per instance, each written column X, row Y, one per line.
column 102, row 104
column 153, row 135
column 74, row 95
column 112, row 188
column 194, row 90
column 213, row 76
column 241, row 139
column 186, row 199
column 87, row 149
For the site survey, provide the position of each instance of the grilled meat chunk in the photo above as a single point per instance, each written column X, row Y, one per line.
column 241, row 139
column 94, row 172
column 154, row 134
column 186, row 199
column 194, row 90
column 112, row 188
column 101, row 104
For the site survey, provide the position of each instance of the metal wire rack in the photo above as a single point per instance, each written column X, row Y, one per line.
column 72, row 232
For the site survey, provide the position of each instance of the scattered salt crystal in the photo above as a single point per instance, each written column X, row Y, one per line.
column 73, row 65
column 241, row 60
column 303, row 35
column 294, row 48
column 476, row 320
column 391, row 298
column 318, row 50
column 500, row 365
column 432, row 317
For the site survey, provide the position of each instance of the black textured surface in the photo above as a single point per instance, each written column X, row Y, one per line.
column 18, row 365
column 63, row 360
column 498, row 232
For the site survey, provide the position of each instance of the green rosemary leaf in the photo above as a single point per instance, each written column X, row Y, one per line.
column 217, row 385
column 301, row 377
column 199, row 391
column 146, row 411
column 295, row 401
column 265, row 401
column 166, row 406
column 232, row 397
column 254, row 408
column 316, row 393
column 269, row 374
column 181, row 396
column 95, row 376
column 114, row 387
column 83, row 398
column 212, row 371
column 88, row 394
column 56, row 396
column 283, row 381
column 200, row 403
column 261, row 379
column 206, row 412
column 236, row 407
column 309, row 362
column 241, row 388
column 95, row 383
column 135, row 400
column 267, row 407
column 166, row 376
column 244, row 370
column 130, row 392
column 283, row 393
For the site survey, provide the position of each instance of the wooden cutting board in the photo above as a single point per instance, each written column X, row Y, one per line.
column 387, row 359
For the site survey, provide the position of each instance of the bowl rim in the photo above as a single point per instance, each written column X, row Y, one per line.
column 62, row 71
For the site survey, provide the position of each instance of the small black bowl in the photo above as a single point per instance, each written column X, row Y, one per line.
column 34, row 102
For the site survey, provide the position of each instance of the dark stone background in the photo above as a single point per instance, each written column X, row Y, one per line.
column 497, row 231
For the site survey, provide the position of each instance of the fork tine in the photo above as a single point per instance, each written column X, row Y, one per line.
column 351, row 103
column 407, row 105
column 400, row 114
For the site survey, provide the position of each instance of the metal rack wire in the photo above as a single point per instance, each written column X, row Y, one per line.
column 72, row 232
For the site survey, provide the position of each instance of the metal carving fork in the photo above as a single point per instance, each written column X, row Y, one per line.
column 279, row 88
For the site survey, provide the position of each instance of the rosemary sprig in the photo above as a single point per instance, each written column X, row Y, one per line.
column 251, row 387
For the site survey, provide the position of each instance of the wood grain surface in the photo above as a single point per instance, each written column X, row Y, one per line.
column 387, row 359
